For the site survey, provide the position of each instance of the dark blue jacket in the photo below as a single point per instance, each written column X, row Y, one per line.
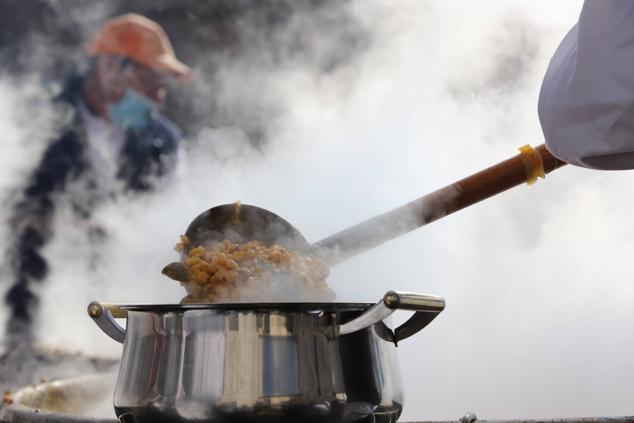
column 146, row 155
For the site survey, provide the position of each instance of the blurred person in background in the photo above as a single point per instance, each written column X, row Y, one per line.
column 586, row 104
column 112, row 140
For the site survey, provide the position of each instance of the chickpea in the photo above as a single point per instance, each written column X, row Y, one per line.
column 224, row 270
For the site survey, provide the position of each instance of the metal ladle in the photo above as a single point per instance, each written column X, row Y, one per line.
column 242, row 223
column 255, row 223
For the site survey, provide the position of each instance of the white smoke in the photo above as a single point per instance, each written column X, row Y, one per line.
column 537, row 280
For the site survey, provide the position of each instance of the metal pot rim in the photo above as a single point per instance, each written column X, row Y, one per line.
column 425, row 308
column 281, row 306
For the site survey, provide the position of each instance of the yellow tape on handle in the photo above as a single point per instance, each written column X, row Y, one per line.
column 533, row 163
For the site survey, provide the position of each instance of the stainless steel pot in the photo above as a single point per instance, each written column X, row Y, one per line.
column 286, row 362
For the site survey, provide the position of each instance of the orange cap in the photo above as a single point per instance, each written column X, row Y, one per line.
column 141, row 40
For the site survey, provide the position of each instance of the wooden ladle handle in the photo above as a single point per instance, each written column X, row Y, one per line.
column 433, row 206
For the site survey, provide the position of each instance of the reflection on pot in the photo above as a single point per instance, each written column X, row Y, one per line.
column 264, row 362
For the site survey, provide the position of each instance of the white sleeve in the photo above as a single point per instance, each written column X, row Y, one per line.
column 586, row 104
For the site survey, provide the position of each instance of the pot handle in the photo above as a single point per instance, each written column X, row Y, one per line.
column 104, row 314
column 426, row 308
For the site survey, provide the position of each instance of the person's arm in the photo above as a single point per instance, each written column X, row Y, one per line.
column 586, row 104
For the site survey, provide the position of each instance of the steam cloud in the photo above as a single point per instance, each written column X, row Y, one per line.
column 537, row 281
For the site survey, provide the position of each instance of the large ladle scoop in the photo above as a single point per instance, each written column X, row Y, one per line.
column 254, row 223
column 242, row 223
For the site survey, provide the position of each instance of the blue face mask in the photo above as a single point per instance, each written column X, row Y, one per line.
column 132, row 111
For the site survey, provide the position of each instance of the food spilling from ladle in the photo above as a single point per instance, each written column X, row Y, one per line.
column 245, row 253
column 227, row 258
